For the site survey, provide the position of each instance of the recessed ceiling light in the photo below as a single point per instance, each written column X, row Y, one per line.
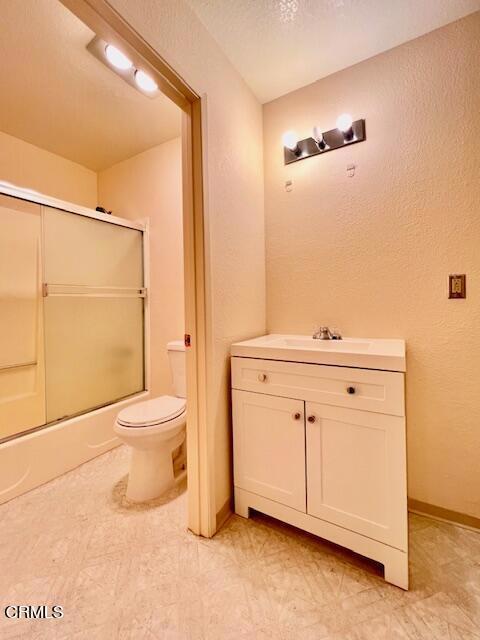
column 145, row 82
column 117, row 59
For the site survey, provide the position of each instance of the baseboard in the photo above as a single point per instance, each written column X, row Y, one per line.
column 415, row 506
column 445, row 515
column 224, row 513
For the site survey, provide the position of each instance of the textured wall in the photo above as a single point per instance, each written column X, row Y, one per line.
column 149, row 185
column 25, row 165
column 233, row 194
column 371, row 254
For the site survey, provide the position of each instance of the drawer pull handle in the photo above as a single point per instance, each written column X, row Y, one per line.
column 311, row 418
column 351, row 390
column 297, row 416
column 262, row 377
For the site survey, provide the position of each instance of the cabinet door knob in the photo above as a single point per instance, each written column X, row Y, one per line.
column 311, row 418
column 351, row 390
column 262, row 377
column 297, row 416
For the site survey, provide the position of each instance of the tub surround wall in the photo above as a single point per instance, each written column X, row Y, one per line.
column 233, row 166
column 371, row 253
column 30, row 167
column 149, row 185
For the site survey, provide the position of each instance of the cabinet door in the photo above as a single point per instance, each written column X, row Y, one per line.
column 269, row 447
column 356, row 471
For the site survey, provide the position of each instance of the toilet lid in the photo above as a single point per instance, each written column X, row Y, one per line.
column 152, row 412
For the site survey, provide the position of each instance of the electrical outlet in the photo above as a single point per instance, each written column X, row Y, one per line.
column 456, row 286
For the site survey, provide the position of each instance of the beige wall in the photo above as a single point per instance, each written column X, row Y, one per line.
column 27, row 166
column 149, row 185
column 233, row 194
column 371, row 254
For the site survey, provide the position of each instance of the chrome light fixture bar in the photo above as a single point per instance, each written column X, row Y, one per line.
column 322, row 142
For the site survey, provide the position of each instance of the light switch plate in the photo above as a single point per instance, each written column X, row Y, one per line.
column 457, row 286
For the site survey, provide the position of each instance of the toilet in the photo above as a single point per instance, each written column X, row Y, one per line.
column 155, row 429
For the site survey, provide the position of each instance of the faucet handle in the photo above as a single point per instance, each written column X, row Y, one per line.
column 317, row 332
column 336, row 335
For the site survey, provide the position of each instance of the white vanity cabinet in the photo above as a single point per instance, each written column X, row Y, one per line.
column 323, row 448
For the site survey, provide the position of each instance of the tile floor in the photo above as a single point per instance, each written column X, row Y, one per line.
column 123, row 571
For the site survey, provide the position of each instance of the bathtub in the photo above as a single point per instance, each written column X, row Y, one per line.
column 30, row 460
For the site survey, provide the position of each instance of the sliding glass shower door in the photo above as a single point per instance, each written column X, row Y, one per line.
column 93, row 308
column 71, row 314
column 22, row 374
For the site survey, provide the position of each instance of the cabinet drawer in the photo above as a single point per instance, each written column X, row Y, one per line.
column 365, row 389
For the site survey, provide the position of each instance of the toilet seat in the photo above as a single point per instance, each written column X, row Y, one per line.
column 151, row 413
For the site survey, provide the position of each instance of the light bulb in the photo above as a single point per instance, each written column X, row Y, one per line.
column 290, row 140
column 145, row 82
column 344, row 122
column 117, row 59
column 317, row 135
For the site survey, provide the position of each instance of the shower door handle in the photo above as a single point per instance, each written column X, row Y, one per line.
column 80, row 290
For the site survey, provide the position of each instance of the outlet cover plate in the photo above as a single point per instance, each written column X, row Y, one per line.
column 457, row 286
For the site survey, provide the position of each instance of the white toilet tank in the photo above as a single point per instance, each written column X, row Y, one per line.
column 176, row 355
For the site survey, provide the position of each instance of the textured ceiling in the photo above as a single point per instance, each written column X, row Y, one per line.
column 281, row 45
column 58, row 96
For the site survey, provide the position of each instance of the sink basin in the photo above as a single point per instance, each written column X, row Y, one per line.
column 367, row 353
column 347, row 344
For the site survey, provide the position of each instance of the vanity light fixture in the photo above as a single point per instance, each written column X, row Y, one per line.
column 346, row 132
column 117, row 59
column 344, row 123
column 290, row 142
column 319, row 139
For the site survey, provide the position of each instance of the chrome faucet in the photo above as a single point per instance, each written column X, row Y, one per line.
column 324, row 333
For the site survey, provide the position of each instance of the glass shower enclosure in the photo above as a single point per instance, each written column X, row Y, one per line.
column 72, row 316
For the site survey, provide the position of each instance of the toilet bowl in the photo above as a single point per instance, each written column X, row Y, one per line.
column 154, row 429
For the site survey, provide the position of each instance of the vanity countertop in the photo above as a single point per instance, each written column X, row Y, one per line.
column 366, row 353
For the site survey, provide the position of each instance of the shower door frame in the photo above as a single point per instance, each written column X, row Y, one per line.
column 109, row 25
